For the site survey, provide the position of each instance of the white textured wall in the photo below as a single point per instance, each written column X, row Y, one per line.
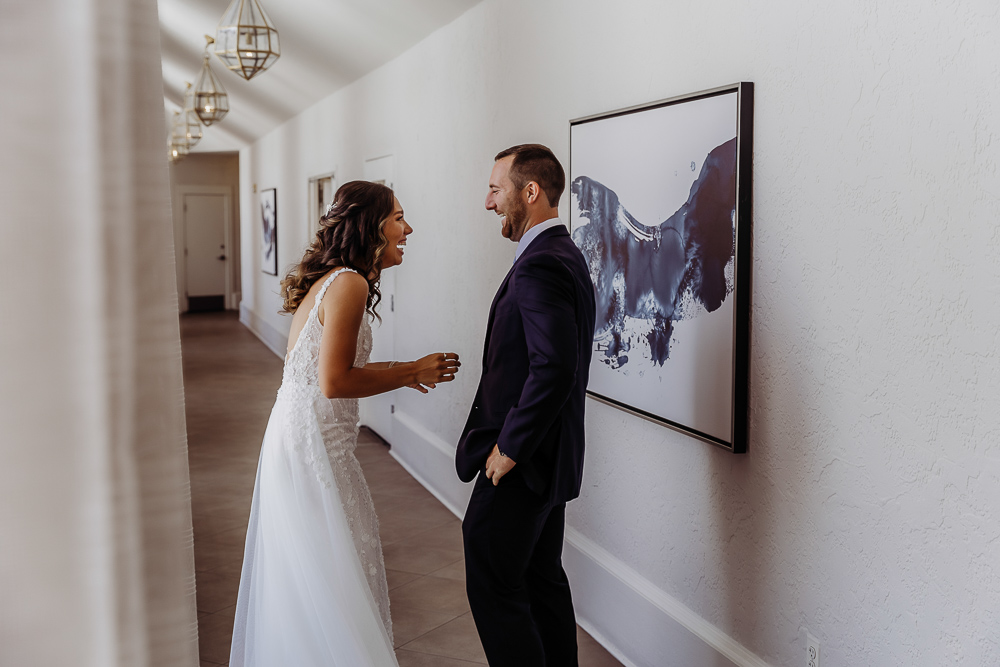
column 867, row 509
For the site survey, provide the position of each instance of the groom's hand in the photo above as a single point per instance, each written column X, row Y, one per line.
column 498, row 465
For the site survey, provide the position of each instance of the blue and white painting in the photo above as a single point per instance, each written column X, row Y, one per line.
column 653, row 198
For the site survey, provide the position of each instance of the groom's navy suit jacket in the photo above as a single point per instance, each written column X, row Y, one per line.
column 536, row 363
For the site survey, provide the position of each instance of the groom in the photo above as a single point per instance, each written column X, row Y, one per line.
column 524, row 435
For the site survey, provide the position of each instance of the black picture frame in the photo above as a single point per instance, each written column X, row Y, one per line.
column 269, row 231
column 658, row 280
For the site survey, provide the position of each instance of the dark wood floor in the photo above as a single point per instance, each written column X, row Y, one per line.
column 230, row 380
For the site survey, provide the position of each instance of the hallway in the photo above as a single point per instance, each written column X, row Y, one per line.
column 230, row 381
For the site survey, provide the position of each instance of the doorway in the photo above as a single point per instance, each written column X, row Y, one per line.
column 207, row 253
column 321, row 191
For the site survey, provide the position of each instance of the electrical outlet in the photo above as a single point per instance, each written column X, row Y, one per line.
column 812, row 651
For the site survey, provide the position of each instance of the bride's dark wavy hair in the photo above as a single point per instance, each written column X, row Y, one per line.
column 352, row 235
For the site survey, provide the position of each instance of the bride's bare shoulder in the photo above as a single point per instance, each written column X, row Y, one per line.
column 346, row 294
column 348, row 284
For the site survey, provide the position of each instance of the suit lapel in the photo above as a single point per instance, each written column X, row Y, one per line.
column 493, row 311
column 535, row 246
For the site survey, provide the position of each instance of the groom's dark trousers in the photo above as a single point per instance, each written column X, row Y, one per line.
column 530, row 403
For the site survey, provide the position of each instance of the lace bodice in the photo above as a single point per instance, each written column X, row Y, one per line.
column 301, row 374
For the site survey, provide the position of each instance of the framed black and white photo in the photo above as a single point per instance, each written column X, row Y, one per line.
column 661, row 208
column 269, row 231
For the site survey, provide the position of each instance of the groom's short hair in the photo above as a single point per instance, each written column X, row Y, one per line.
column 534, row 162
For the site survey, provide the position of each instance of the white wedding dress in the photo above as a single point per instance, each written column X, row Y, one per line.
column 313, row 591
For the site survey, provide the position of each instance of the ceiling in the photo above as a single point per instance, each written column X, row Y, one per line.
column 325, row 45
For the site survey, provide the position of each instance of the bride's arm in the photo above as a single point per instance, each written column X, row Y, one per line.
column 382, row 365
column 379, row 365
column 342, row 309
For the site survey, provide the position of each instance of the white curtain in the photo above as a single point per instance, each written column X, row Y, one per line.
column 96, row 557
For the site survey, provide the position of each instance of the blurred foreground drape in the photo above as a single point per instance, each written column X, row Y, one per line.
column 96, row 559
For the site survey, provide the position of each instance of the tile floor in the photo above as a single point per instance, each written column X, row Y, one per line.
column 230, row 381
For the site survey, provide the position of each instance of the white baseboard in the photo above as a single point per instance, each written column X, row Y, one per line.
column 275, row 340
column 636, row 621
column 431, row 461
column 454, row 509
column 639, row 624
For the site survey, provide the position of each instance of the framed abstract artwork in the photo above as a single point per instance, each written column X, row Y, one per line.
column 269, row 231
column 661, row 208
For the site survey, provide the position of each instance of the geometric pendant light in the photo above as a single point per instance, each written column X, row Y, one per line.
column 211, row 102
column 178, row 144
column 246, row 40
column 175, row 154
column 189, row 119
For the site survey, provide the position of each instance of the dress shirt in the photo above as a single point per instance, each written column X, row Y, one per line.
column 530, row 235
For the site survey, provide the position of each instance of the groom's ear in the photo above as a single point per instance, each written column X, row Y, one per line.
column 532, row 192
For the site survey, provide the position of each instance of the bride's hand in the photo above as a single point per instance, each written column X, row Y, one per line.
column 434, row 368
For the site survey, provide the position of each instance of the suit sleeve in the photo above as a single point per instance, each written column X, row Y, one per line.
column 546, row 301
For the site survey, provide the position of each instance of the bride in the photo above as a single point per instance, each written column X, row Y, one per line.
column 313, row 588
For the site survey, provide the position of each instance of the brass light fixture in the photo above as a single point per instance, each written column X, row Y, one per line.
column 176, row 153
column 246, row 40
column 211, row 101
column 189, row 118
column 177, row 145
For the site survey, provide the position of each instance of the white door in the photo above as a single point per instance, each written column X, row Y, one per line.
column 205, row 251
column 377, row 411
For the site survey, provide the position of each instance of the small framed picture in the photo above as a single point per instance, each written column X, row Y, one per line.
column 660, row 206
column 269, row 231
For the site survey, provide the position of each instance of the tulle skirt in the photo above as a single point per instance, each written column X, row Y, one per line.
column 304, row 598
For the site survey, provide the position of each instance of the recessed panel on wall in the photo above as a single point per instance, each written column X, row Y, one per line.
column 321, row 191
column 660, row 207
